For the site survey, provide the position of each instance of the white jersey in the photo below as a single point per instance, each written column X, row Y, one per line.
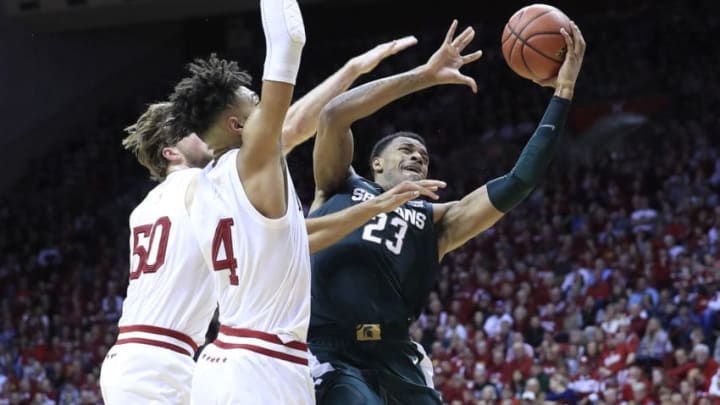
column 171, row 297
column 261, row 265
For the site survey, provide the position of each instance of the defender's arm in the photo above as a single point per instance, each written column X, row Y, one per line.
column 302, row 118
column 285, row 38
column 260, row 163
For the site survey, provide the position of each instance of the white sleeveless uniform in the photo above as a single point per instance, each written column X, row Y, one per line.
column 260, row 355
column 170, row 302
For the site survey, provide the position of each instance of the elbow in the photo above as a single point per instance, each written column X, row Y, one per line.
column 293, row 129
column 332, row 115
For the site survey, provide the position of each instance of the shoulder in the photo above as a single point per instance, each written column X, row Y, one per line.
column 355, row 180
column 347, row 186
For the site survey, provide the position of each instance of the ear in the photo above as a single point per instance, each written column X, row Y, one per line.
column 172, row 154
column 235, row 125
column 377, row 165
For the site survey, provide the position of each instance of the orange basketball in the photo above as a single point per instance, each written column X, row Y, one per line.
column 532, row 44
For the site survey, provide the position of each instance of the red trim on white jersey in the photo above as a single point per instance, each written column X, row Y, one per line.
column 157, row 336
column 261, row 342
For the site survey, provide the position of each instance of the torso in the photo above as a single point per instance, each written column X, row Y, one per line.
column 260, row 266
column 170, row 286
column 381, row 272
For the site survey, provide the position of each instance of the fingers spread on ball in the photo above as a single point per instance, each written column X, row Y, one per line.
column 568, row 43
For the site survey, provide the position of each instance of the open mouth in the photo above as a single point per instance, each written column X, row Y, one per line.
column 413, row 168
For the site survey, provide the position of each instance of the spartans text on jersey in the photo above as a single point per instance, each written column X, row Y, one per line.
column 416, row 218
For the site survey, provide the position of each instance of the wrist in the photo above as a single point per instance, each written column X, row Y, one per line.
column 565, row 90
column 375, row 206
column 424, row 74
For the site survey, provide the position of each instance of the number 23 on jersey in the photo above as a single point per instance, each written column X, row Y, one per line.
column 394, row 243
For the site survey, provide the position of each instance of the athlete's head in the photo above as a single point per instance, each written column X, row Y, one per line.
column 158, row 148
column 398, row 157
column 214, row 102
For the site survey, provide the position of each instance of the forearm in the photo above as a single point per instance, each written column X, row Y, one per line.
column 302, row 118
column 284, row 41
column 365, row 100
column 508, row 191
column 330, row 229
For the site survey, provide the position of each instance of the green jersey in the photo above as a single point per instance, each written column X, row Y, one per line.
column 382, row 272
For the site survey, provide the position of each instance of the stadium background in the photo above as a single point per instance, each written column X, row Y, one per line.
column 606, row 277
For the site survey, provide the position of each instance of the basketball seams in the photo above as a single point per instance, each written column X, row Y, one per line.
column 515, row 30
column 527, row 42
column 522, row 57
column 507, row 26
column 510, row 29
column 513, row 58
column 524, row 41
column 531, row 20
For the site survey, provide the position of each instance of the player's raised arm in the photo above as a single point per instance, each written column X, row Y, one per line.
column 333, row 151
column 461, row 220
column 285, row 38
column 330, row 229
column 302, row 118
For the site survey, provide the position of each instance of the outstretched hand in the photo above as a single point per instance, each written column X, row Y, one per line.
column 570, row 69
column 444, row 65
column 366, row 62
column 406, row 191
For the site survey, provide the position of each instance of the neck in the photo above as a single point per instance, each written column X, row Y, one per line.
column 176, row 168
column 220, row 142
column 383, row 182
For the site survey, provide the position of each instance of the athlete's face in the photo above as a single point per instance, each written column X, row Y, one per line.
column 403, row 159
column 195, row 151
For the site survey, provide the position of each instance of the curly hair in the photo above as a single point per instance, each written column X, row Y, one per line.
column 198, row 100
column 148, row 137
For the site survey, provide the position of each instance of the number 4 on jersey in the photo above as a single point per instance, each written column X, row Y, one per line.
column 223, row 239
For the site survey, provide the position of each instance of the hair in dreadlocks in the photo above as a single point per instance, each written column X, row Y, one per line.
column 198, row 100
column 148, row 137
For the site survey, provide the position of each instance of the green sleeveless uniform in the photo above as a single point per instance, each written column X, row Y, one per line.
column 366, row 290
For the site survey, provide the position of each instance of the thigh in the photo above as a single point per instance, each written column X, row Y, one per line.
column 346, row 386
column 404, row 393
column 238, row 376
column 399, row 391
column 404, row 379
column 135, row 373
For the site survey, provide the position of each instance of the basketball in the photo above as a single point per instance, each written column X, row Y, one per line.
column 532, row 44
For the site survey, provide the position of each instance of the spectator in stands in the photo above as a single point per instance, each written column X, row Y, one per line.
column 682, row 324
column 560, row 391
column 493, row 323
column 705, row 365
column 654, row 344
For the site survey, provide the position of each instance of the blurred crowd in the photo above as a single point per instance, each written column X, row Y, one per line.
column 601, row 288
